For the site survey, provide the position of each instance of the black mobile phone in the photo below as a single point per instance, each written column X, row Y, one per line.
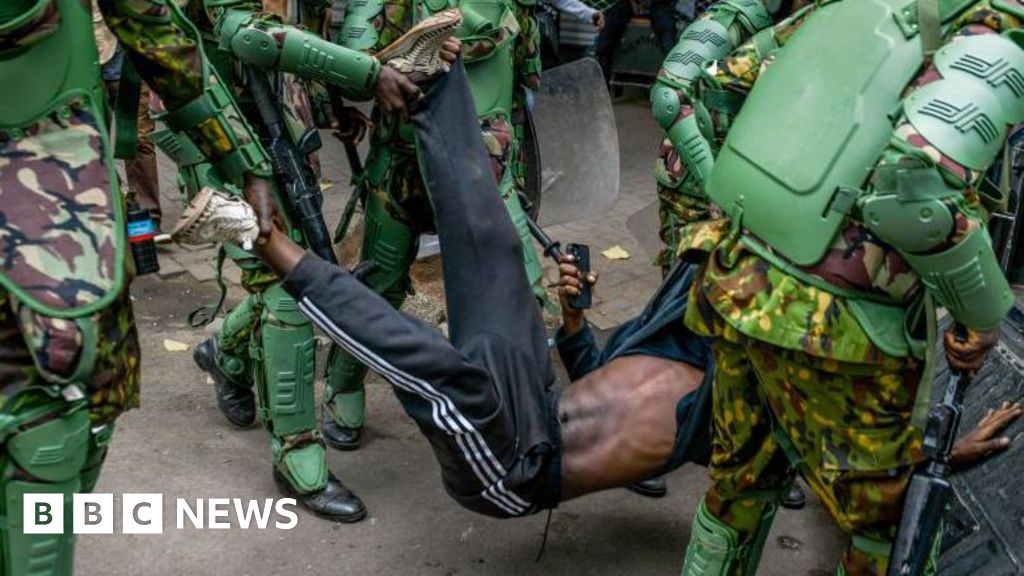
column 581, row 258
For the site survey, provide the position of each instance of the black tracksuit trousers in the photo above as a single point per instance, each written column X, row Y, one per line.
column 482, row 398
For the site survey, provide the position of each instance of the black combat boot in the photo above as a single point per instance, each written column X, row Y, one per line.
column 337, row 436
column 236, row 401
column 794, row 498
column 651, row 488
column 334, row 502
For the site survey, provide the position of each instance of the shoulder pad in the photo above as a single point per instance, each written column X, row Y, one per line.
column 752, row 14
column 701, row 43
column 357, row 31
column 993, row 60
column 963, row 120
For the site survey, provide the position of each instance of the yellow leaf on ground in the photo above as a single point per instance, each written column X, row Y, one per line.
column 615, row 253
column 175, row 346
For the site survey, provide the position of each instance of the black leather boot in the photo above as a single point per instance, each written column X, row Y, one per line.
column 337, row 436
column 236, row 401
column 651, row 488
column 334, row 502
column 794, row 498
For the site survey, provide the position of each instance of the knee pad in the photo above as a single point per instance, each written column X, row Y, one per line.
column 233, row 341
column 286, row 350
column 391, row 245
column 344, row 393
column 47, row 445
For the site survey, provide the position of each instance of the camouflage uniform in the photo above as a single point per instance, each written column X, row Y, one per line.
column 801, row 384
column 69, row 353
column 265, row 340
column 500, row 49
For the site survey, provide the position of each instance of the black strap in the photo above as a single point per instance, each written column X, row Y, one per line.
column 126, row 113
column 205, row 314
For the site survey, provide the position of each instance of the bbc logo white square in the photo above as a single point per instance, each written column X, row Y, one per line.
column 93, row 514
column 43, row 514
column 142, row 514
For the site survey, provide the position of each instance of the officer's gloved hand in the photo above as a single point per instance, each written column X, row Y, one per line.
column 967, row 354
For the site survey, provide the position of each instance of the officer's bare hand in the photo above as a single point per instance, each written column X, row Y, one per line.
column 598, row 20
column 980, row 443
column 969, row 355
column 570, row 280
column 394, row 90
column 450, row 49
column 259, row 193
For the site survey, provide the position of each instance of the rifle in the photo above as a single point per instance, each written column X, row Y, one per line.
column 929, row 489
column 300, row 185
column 356, row 165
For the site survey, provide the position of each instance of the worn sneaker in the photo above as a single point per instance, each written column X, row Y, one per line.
column 214, row 216
column 417, row 53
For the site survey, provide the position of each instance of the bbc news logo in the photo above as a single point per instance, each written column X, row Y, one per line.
column 144, row 514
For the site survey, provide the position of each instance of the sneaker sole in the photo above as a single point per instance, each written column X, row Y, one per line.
column 445, row 21
column 192, row 216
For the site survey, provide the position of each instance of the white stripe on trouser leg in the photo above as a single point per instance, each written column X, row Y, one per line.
column 447, row 417
column 440, row 405
column 443, row 411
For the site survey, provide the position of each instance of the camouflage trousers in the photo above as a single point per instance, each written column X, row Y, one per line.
column 36, row 350
column 844, row 427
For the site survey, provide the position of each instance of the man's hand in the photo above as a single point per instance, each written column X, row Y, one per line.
column 598, row 20
column 968, row 355
column 569, row 283
column 259, row 193
column 450, row 49
column 393, row 92
column 979, row 443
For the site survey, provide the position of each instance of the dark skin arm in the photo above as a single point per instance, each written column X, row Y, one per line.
column 619, row 422
column 982, row 442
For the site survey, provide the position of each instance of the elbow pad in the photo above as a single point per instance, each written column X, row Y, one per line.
column 967, row 281
column 289, row 49
column 686, row 136
column 702, row 42
column 213, row 114
column 908, row 209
